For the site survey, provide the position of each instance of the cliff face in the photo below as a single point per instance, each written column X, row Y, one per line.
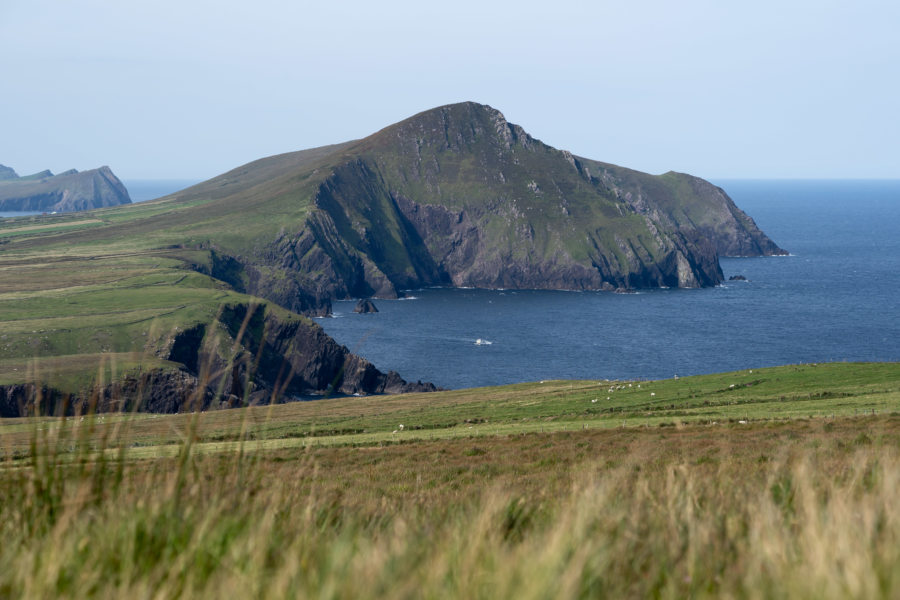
column 454, row 196
column 250, row 354
column 253, row 353
column 66, row 192
column 458, row 196
column 689, row 204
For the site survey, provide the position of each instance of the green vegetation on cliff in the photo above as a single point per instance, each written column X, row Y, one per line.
column 452, row 196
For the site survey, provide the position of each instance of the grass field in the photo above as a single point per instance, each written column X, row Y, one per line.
column 782, row 486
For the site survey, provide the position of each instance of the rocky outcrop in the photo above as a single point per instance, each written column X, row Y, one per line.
column 157, row 390
column 365, row 306
column 252, row 354
column 23, row 399
column 66, row 192
column 7, row 174
column 688, row 204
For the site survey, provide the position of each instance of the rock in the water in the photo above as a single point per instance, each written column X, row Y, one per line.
column 737, row 278
column 365, row 306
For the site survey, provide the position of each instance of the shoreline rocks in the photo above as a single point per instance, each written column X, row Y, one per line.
column 365, row 306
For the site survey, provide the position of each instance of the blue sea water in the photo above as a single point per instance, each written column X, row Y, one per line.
column 150, row 189
column 836, row 297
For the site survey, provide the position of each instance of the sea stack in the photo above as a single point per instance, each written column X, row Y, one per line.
column 365, row 306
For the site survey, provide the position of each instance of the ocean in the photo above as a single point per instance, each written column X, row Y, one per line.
column 835, row 298
column 149, row 189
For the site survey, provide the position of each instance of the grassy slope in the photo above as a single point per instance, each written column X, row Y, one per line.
column 799, row 391
column 117, row 280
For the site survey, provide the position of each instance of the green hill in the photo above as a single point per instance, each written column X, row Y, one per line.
column 196, row 299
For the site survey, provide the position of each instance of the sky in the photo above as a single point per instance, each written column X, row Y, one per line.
column 189, row 89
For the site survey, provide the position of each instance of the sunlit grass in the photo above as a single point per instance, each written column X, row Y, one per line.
column 786, row 509
column 693, row 487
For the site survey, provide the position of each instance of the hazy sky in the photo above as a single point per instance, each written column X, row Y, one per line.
column 190, row 89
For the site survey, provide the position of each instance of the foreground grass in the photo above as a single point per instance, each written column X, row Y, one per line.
column 541, row 498
column 794, row 509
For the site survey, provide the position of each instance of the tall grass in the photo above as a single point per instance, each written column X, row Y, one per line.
column 807, row 521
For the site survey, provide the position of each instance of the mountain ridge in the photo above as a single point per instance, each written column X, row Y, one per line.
column 66, row 192
column 388, row 217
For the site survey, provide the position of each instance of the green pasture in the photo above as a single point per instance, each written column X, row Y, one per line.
column 733, row 400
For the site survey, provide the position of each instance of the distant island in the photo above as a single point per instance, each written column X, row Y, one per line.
column 66, row 192
column 201, row 299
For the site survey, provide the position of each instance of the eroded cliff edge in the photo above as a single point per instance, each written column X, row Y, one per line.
column 249, row 354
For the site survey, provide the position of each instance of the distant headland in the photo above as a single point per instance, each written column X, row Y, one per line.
column 65, row 192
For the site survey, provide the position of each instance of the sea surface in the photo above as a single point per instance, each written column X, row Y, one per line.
column 150, row 189
column 835, row 298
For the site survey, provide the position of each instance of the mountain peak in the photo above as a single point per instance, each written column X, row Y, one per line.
column 462, row 126
column 7, row 173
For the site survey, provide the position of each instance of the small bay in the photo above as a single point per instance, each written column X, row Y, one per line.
column 834, row 298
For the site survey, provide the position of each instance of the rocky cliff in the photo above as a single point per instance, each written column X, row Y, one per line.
column 66, row 192
column 251, row 353
column 208, row 282
column 458, row 196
